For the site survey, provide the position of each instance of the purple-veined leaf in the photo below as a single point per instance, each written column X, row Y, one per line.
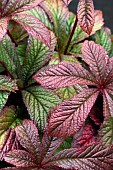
column 64, row 74
column 67, row 2
column 20, row 158
column 85, row 14
column 94, row 156
column 107, row 104
column 95, row 56
column 16, row 6
column 34, row 27
column 28, row 136
column 38, row 102
column 84, row 137
column 6, row 83
column 58, row 14
column 37, row 54
column 10, row 143
column 3, row 27
column 70, row 115
column 106, row 132
column 3, row 98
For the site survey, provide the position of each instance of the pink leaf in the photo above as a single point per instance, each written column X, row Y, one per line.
column 34, row 27
column 85, row 14
column 20, row 158
column 64, row 74
column 28, row 137
column 67, row 2
column 70, row 115
column 95, row 56
column 3, row 27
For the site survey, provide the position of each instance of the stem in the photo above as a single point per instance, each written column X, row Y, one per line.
column 12, row 39
column 70, row 38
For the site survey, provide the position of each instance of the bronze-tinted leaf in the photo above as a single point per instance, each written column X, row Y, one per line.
column 3, row 27
column 85, row 14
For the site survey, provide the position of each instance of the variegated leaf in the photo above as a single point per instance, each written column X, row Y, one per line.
column 64, row 74
column 70, row 115
column 95, row 56
column 21, row 159
column 67, row 2
column 91, row 157
column 37, row 55
column 38, row 102
column 3, row 98
column 34, row 27
column 85, row 14
column 3, row 27
column 28, row 136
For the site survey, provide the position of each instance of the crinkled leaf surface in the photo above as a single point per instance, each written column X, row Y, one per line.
column 37, row 54
column 38, row 102
column 33, row 26
column 91, row 157
column 6, row 83
column 85, row 14
column 3, row 98
column 3, row 26
column 71, row 114
column 64, row 74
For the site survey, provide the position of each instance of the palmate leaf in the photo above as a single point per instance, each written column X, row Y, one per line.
column 3, row 98
column 85, row 14
column 37, row 54
column 64, row 74
column 6, row 83
column 38, row 102
column 91, row 157
column 15, row 6
column 70, row 115
column 95, row 56
column 3, row 26
column 34, row 27
column 31, row 139
column 58, row 14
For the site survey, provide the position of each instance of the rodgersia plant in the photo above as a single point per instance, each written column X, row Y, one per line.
column 56, row 76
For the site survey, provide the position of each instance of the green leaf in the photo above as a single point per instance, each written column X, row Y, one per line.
column 21, row 51
column 8, row 55
column 103, row 38
column 8, row 119
column 37, row 54
column 106, row 132
column 6, row 83
column 38, row 102
column 3, row 98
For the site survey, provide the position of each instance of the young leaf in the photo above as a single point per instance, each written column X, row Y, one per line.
column 3, row 26
column 31, row 138
column 64, row 74
column 34, row 27
column 37, row 54
column 85, row 14
column 70, row 115
column 38, row 102
column 94, row 157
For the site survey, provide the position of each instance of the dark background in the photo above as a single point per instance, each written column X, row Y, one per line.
column 105, row 5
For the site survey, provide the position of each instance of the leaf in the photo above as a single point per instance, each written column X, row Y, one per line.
column 15, row 6
column 3, row 98
column 64, row 74
column 38, row 102
column 106, row 132
column 85, row 14
column 7, row 84
column 58, row 14
column 10, row 143
column 103, row 38
column 95, row 56
column 31, row 141
column 70, row 115
column 7, row 54
column 20, row 158
column 3, row 26
column 8, row 119
column 67, row 2
column 90, row 157
column 37, row 55
column 34, row 27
